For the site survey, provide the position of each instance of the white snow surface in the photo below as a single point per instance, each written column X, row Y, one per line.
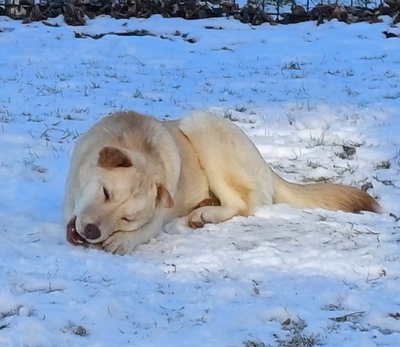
column 284, row 277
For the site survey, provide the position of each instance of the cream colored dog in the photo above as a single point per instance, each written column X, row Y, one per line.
column 131, row 174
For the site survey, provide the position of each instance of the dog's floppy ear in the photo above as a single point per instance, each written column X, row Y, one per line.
column 164, row 197
column 110, row 157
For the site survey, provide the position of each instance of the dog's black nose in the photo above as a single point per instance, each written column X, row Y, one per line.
column 92, row 232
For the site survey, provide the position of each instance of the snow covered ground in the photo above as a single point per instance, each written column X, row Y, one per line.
column 284, row 277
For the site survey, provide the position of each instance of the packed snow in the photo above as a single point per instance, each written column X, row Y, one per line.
column 284, row 277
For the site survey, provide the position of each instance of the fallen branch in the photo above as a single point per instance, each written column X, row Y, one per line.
column 126, row 33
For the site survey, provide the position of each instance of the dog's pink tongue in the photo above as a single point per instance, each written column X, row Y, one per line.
column 72, row 236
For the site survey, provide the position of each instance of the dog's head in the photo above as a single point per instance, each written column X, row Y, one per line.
column 118, row 194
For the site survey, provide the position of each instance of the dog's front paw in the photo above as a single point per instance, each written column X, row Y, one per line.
column 210, row 214
column 195, row 219
column 118, row 243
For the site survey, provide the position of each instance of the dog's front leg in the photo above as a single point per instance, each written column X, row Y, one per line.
column 124, row 242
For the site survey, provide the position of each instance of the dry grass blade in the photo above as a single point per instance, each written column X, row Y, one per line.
column 348, row 317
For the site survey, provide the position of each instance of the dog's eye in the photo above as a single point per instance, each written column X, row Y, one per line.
column 126, row 220
column 106, row 194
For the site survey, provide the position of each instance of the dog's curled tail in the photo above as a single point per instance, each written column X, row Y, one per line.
column 319, row 195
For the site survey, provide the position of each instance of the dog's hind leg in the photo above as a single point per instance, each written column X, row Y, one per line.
column 236, row 172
